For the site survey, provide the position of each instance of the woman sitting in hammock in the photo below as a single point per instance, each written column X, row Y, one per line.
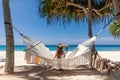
column 59, row 51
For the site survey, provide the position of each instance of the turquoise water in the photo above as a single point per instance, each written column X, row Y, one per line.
column 71, row 47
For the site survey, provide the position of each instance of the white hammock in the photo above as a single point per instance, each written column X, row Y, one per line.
column 79, row 56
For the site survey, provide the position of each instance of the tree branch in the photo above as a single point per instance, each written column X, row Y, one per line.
column 96, row 12
column 83, row 9
column 78, row 6
column 108, row 5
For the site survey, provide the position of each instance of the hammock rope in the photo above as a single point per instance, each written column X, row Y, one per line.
column 18, row 31
column 101, row 30
column 14, row 28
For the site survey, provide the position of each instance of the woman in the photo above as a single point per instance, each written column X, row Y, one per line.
column 59, row 51
column 59, row 54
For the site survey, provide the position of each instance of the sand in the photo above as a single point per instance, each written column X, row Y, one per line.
column 25, row 71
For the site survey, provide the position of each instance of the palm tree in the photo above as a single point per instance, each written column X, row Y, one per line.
column 9, row 64
column 78, row 10
column 90, row 28
column 114, row 28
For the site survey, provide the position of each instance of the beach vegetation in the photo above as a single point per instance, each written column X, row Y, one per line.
column 114, row 27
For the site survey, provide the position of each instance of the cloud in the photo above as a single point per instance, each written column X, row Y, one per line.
column 64, row 41
column 2, row 41
column 108, row 41
column 100, row 41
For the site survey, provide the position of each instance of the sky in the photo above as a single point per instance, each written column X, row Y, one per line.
column 25, row 18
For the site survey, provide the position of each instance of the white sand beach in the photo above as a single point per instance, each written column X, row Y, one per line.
column 25, row 71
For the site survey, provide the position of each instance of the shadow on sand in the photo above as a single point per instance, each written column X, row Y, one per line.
column 41, row 73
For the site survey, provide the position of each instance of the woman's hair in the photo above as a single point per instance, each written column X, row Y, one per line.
column 60, row 44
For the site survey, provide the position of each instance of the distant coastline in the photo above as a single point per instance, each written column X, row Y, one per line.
column 71, row 47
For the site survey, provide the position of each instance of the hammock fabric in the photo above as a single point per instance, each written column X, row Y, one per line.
column 80, row 56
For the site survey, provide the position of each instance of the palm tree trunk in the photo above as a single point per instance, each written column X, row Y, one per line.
column 9, row 64
column 90, row 29
column 117, row 9
column 116, row 6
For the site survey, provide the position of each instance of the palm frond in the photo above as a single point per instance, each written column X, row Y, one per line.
column 114, row 29
column 55, row 10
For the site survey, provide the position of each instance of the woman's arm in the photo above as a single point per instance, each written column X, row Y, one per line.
column 67, row 48
column 56, row 52
column 55, row 55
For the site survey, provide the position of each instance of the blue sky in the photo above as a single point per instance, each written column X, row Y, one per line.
column 25, row 18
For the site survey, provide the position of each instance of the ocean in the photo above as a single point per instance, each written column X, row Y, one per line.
column 71, row 47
